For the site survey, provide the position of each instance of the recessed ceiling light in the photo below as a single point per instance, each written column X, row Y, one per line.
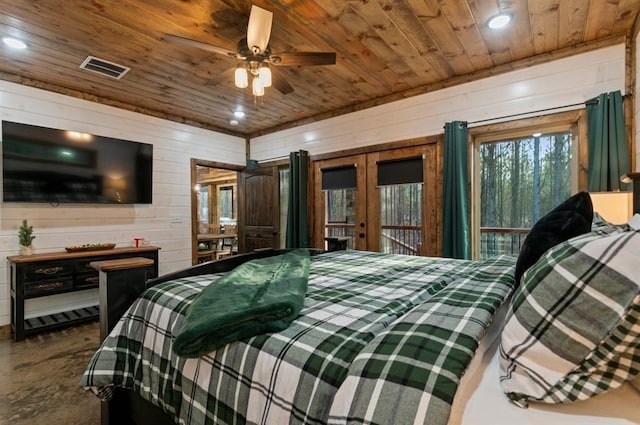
column 14, row 43
column 537, row 134
column 233, row 123
column 498, row 21
column 238, row 114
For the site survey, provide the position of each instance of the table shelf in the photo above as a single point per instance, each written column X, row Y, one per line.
column 58, row 320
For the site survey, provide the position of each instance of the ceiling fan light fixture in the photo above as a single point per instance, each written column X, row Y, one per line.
column 257, row 87
column 241, row 77
column 265, row 75
column 253, row 55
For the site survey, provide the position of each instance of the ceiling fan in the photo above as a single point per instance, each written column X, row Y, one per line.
column 256, row 57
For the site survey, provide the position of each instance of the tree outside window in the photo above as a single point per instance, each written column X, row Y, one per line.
column 521, row 179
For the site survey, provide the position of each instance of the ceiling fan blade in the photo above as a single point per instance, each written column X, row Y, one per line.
column 259, row 29
column 303, row 59
column 280, row 83
column 198, row 44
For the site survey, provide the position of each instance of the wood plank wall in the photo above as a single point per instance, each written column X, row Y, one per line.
column 560, row 82
column 166, row 223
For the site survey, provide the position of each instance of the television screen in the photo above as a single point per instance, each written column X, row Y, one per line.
column 55, row 166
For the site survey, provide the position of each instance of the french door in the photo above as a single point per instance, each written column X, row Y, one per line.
column 381, row 201
column 340, row 201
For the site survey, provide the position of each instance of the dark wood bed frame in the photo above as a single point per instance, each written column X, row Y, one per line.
column 120, row 284
column 126, row 283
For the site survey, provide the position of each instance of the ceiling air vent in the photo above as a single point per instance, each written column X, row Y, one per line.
column 101, row 66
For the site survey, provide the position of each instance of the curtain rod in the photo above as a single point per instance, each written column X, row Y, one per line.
column 588, row 102
column 281, row 157
column 275, row 158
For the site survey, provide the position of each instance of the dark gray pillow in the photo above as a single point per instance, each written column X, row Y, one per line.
column 571, row 218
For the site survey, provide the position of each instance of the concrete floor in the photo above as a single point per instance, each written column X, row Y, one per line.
column 39, row 378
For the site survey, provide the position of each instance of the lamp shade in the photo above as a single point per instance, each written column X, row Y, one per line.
column 241, row 77
column 257, row 87
column 615, row 207
column 265, row 76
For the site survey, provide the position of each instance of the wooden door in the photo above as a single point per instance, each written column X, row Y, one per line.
column 416, row 235
column 258, row 209
column 340, row 212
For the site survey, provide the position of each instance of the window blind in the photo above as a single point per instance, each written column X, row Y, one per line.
column 343, row 177
column 401, row 171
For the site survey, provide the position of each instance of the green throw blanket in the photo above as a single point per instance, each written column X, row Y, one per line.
column 257, row 297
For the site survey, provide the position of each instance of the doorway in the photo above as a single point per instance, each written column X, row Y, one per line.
column 214, row 212
column 383, row 201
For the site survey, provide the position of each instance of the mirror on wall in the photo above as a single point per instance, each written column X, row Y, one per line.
column 214, row 212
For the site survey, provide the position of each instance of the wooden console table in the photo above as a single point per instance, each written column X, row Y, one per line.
column 41, row 275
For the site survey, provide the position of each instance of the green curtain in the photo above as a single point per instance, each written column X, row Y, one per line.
column 297, row 217
column 608, row 153
column 455, row 198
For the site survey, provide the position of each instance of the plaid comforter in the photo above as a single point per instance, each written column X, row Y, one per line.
column 381, row 339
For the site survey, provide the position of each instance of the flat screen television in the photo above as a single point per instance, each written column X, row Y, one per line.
column 46, row 165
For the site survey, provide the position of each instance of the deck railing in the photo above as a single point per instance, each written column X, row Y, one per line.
column 394, row 239
column 501, row 240
column 405, row 240
column 408, row 239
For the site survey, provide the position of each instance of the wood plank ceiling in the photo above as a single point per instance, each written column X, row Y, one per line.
column 385, row 49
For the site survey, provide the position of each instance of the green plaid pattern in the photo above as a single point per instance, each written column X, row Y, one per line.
column 602, row 227
column 355, row 301
column 410, row 372
column 574, row 328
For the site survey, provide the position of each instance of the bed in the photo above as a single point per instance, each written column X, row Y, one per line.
column 381, row 339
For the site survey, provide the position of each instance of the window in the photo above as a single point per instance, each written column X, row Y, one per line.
column 401, row 218
column 339, row 184
column 520, row 176
column 226, row 205
column 341, row 214
column 203, row 203
column 284, row 176
column 400, row 184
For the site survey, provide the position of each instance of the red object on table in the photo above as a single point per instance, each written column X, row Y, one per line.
column 138, row 241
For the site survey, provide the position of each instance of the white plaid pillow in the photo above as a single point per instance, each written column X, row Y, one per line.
column 601, row 226
column 573, row 330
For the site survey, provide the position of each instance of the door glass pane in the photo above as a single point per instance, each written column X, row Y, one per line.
column 283, row 174
column 520, row 181
column 340, row 214
column 401, row 219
